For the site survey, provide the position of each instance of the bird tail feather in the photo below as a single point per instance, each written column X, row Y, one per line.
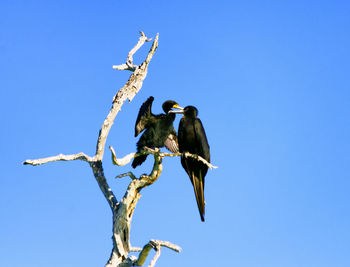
column 198, row 185
column 138, row 161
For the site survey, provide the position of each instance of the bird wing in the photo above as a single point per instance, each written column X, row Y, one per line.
column 202, row 141
column 192, row 138
column 144, row 117
column 180, row 135
column 171, row 142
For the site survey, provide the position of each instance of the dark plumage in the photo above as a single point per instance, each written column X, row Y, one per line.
column 192, row 138
column 159, row 128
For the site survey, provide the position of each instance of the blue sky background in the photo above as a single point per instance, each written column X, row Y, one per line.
column 271, row 82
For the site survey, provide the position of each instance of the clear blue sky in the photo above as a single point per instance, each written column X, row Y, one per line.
column 271, row 82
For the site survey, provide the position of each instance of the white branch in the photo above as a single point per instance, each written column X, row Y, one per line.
column 60, row 157
column 197, row 157
column 129, row 61
column 178, row 154
column 168, row 245
column 123, row 67
column 123, row 161
column 146, row 150
column 135, row 249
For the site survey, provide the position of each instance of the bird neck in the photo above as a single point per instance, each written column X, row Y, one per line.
column 171, row 116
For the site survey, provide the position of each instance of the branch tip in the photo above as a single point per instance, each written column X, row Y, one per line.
column 130, row 174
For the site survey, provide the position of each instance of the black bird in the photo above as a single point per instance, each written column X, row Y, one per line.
column 159, row 128
column 192, row 138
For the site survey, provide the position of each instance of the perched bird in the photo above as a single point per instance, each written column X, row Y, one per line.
column 192, row 138
column 159, row 128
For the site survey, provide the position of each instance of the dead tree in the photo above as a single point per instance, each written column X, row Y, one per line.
column 123, row 209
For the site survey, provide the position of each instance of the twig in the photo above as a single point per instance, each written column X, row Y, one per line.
column 156, row 245
column 130, row 174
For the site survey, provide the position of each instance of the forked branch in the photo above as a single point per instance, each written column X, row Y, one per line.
column 129, row 65
column 156, row 245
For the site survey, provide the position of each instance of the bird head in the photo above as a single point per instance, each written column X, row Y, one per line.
column 169, row 105
column 190, row 112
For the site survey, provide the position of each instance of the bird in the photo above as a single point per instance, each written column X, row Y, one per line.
column 159, row 129
column 192, row 139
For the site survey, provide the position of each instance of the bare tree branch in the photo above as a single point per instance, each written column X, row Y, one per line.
column 129, row 61
column 146, row 151
column 122, row 161
column 168, row 245
column 60, row 157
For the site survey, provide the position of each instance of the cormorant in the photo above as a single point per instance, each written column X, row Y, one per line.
column 159, row 128
column 192, row 138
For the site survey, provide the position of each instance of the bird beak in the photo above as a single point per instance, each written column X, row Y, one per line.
column 176, row 111
column 178, row 107
column 181, row 109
